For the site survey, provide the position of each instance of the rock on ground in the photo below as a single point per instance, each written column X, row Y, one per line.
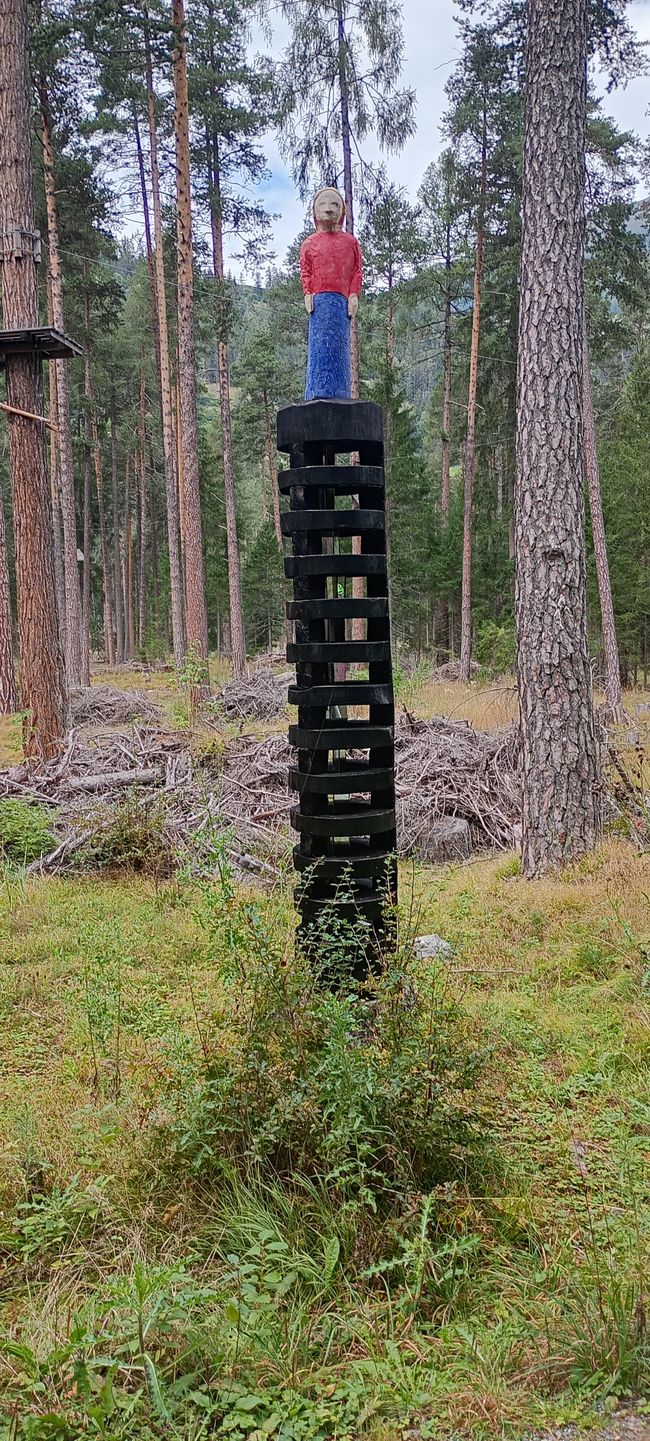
column 446, row 840
column 427, row 947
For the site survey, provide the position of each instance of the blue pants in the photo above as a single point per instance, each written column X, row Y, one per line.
column 328, row 348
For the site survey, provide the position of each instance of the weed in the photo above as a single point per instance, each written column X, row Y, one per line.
column 25, row 831
column 130, row 836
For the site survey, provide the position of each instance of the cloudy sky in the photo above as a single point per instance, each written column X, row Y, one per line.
column 431, row 48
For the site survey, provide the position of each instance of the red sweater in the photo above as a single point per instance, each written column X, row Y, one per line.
column 330, row 260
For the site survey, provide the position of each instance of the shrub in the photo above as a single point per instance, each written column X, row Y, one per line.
column 366, row 1090
column 130, row 836
column 494, row 646
column 25, row 831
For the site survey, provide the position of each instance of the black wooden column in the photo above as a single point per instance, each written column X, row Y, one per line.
column 345, row 776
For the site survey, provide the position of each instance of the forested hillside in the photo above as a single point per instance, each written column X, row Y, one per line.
column 106, row 204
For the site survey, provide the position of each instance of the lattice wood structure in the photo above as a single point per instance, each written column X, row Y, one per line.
column 345, row 774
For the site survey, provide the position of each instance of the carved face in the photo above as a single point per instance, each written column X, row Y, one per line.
column 329, row 209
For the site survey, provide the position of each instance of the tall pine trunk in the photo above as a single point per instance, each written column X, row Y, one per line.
column 171, row 486
column 562, row 801
column 213, row 161
column 195, row 604
column 117, row 584
column 151, row 264
column 445, row 479
column 142, row 529
column 613, row 695
column 470, row 442
column 273, row 470
column 8, row 692
column 129, row 624
column 57, row 527
column 43, row 684
column 86, row 587
column 73, row 628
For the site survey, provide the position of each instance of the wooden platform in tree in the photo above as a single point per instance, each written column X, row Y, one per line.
column 44, row 340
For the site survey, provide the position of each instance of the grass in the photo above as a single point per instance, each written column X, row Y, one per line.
column 153, row 1284
column 496, row 1311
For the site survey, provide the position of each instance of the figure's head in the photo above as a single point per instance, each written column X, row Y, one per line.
column 328, row 209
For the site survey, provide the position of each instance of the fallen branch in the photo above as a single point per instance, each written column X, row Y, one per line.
column 113, row 780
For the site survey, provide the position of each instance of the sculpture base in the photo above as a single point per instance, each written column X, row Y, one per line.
column 344, row 775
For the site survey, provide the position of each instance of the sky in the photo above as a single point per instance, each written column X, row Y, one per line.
column 431, row 48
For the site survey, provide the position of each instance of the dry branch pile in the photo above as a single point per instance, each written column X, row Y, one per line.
column 446, row 768
column 106, row 705
column 451, row 670
column 261, row 696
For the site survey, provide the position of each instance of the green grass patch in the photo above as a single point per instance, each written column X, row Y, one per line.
column 236, row 1203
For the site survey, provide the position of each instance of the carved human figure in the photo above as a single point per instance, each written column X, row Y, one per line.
column 330, row 270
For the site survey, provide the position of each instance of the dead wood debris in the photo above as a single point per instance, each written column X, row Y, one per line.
column 260, row 696
column 451, row 670
column 107, row 705
column 444, row 768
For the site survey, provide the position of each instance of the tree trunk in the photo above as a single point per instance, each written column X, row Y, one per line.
column 128, row 569
column 273, row 472
column 445, row 480
column 232, row 540
column 171, row 487
column 142, row 529
column 613, row 696
column 59, row 569
column 43, row 683
column 562, row 800
column 348, row 189
column 151, row 264
column 470, row 443
column 8, row 692
column 73, row 656
column 196, row 611
column 109, row 642
column 85, row 593
column 117, row 583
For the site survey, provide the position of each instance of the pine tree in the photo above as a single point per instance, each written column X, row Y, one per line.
column 8, row 692
column 42, row 670
column 340, row 83
column 561, row 783
column 230, row 100
column 52, row 41
column 195, row 604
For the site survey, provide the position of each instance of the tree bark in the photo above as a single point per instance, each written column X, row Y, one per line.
column 117, row 583
column 273, row 470
column 73, row 629
column 348, row 188
column 195, row 605
column 470, row 443
column 562, row 800
column 128, row 569
column 142, row 529
column 613, row 694
column 171, row 486
column 8, row 692
column 445, row 480
column 151, row 264
column 237, row 632
column 43, row 683
column 85, row 593
column 59, row 569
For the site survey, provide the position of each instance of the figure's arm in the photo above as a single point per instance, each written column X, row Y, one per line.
column 356, row 281
column 306, row 276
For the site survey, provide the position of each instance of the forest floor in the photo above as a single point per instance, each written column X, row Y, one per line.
column 200, row 1238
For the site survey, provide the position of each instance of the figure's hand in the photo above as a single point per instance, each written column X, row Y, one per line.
column 353, row 306
column 309, row 303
